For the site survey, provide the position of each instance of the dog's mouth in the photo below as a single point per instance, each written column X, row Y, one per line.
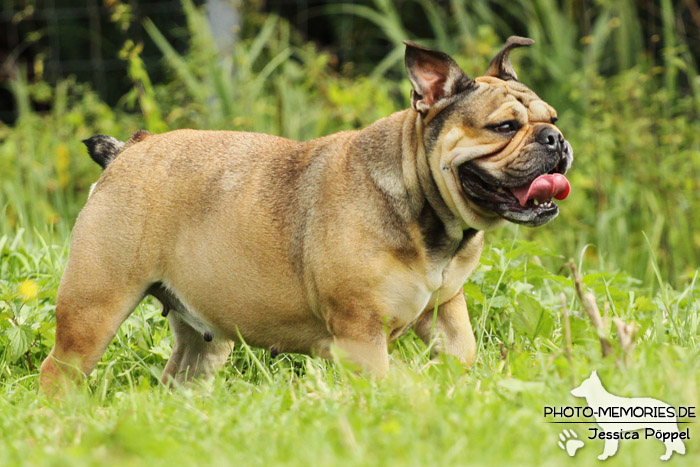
column 529, row 204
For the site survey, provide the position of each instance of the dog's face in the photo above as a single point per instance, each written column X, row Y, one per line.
column 491, row 142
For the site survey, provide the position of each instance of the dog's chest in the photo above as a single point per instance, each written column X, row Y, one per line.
column 412, row 290
column 446, row 277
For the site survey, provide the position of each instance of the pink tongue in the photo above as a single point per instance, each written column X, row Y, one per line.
column 543, row 189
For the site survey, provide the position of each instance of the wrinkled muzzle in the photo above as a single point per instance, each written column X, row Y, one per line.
column 523, row 192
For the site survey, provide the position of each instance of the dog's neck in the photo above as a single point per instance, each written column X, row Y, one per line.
column 396, row 161
column 453, row 225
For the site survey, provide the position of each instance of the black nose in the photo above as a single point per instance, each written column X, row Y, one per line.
column 550, row 138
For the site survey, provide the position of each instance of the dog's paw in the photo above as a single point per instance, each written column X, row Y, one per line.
column 569, row 443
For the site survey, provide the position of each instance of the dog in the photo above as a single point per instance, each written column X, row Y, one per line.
column 332, row 247
column 609, row 410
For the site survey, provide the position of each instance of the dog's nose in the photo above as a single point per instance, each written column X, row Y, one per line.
column 550, row 138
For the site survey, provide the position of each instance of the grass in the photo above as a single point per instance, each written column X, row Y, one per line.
column 629, row 224
column 418, row 416
column 298, row 410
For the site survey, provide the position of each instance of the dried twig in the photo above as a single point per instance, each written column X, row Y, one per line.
column 567, row 330
column 591, row 307
column 606, row 313
column 625, row 332
column 594, row 313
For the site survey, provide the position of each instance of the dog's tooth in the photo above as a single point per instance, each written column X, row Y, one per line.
column 537, row 203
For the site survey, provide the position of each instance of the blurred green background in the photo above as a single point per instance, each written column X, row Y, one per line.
column 622, row 74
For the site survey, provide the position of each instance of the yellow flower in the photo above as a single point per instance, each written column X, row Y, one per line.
column 28, row 290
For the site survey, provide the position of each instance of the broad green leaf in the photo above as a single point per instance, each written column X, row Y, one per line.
column 19, row 339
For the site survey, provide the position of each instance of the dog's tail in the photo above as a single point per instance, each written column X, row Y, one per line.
column 103, row 149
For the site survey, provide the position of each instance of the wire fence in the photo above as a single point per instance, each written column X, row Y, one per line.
column 55, row 39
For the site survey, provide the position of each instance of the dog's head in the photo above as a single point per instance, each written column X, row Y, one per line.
column 491, row 142
column 587, row 386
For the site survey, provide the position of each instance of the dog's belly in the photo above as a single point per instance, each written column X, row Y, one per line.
column 229, row 282
column 260, row 319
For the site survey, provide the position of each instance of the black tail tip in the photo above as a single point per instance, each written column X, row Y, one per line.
column 103, row 148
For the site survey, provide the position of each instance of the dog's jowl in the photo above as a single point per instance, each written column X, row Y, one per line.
column 332, row 247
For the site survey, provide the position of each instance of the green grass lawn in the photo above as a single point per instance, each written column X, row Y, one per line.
column 427, row 415
column 298, row 410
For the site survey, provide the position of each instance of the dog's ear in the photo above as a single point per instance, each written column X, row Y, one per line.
column 500, row 66
column 434, row 76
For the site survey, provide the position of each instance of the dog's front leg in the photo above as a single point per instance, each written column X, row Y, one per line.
column 359, row 338
column 450, row 332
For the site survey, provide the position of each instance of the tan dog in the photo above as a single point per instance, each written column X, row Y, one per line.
column 334, row 246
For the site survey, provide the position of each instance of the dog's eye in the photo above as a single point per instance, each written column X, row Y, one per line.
column 505, row 127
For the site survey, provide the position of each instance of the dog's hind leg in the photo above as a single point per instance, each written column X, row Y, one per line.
column 108, row 272
column 193, row 356
column 196, row 352
column 87, row 318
